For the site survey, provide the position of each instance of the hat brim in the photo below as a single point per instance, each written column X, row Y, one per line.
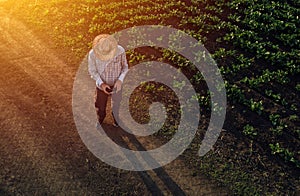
column 113, row 43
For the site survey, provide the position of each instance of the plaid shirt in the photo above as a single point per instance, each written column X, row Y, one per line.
column 108, row 72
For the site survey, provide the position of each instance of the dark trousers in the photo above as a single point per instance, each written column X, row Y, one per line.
column 101, row 102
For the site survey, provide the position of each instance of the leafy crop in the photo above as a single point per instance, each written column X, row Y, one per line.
column 256, row 46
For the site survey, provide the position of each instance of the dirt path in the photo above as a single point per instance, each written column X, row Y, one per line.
column 40, row 149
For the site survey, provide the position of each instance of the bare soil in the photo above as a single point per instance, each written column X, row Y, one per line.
column 41, row 152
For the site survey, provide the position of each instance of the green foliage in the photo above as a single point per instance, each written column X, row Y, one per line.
column 284, row 153
column 255, row 44
column 249, row 130
column 278, row 124
column 298, row 87
column 256, row 106
column 274, row 118
column 276, row 97
column 293, row 117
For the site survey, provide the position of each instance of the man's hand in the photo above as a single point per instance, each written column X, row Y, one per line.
column 118, row 85
column 105, row 87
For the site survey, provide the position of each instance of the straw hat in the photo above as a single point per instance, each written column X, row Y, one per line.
column 105, row 47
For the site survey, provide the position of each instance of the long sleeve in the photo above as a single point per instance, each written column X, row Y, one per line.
column 124, row 67
column 93, row 69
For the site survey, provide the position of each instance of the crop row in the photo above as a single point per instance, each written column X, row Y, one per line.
column 284, row 65
column 270, row 17
column 240, row 62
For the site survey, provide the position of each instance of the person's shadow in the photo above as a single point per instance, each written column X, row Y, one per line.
column 117, row 135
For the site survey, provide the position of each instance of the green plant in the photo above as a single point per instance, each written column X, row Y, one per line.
column 275, row 148
column 256, row 106
column 274, row 118
column 294, row 107
column 278, row 124
column 249, row 130
column 149, row 87
column 293, row 117
column 277, row 97
column 278, row 129
column 235, row 93
column 284, row 153
column 298, row 87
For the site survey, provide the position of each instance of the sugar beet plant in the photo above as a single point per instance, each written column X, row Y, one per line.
column 255, row 44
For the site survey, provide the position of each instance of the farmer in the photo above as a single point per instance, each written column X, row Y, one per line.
column 108, row 66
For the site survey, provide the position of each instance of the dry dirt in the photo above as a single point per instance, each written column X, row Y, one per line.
column 40, row 149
